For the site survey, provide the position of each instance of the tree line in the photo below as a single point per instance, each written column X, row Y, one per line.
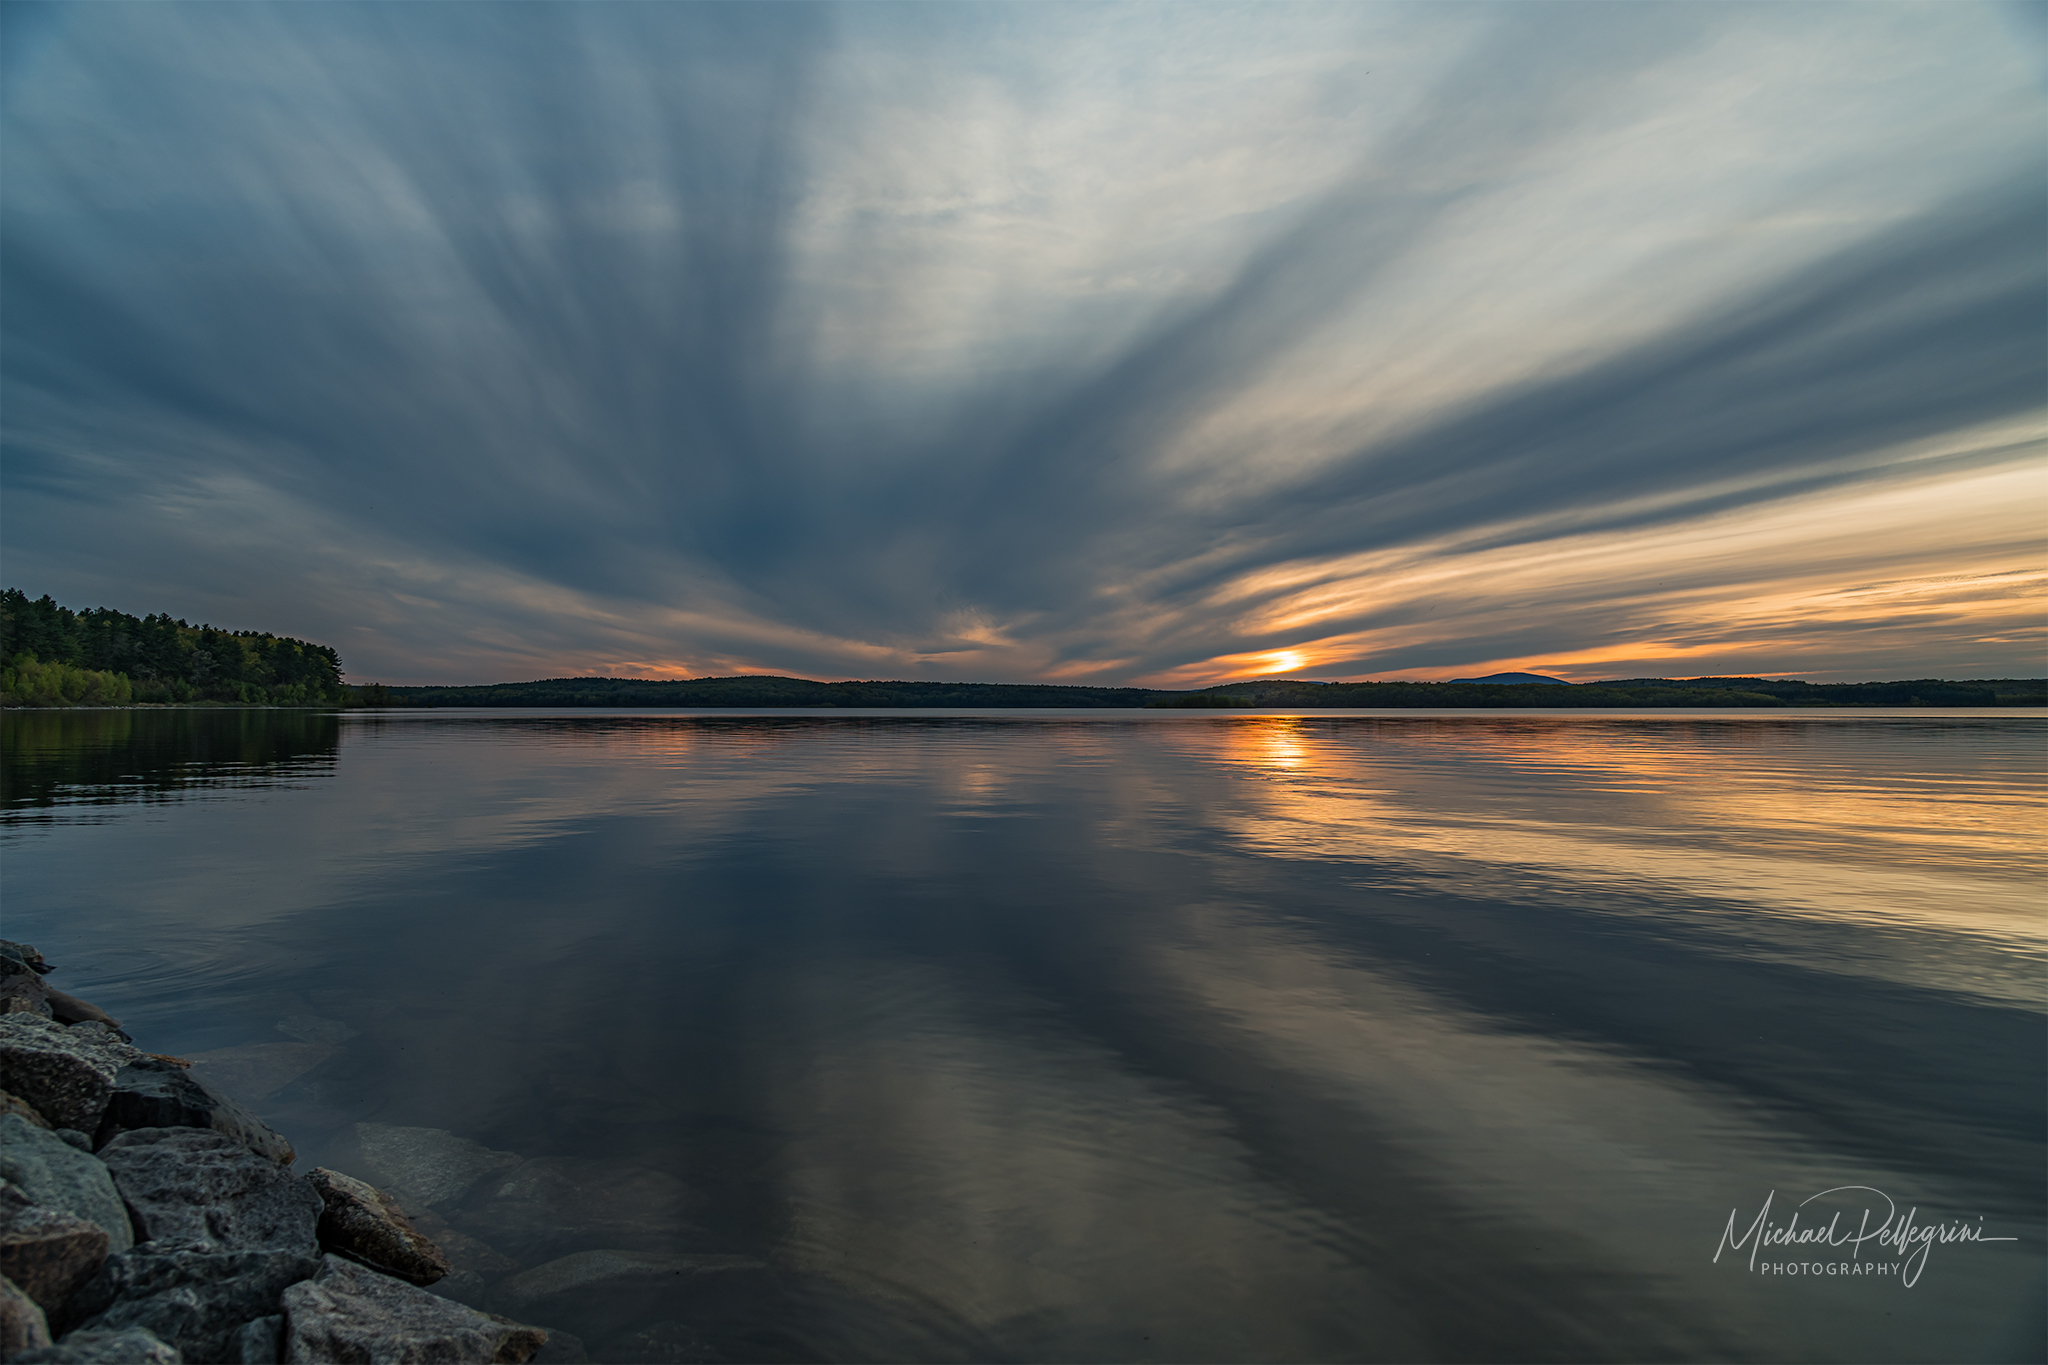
column 53, row 656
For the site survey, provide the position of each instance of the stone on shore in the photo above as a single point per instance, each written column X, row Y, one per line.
column 14, row 1104
column 427, row 1166
column 69, row 1009
column 261, row 1342
column 23, row 1325
column 550, row 1200
column 150, row 1093
column 193, row 1187
column 364, row 1224
column 198, row 1300
column 46, row 1252
column 66, row 1073
column 23, row 992
column 348, row 1312
column 609, row 1285
column 53, row 1173
column 130, row 1346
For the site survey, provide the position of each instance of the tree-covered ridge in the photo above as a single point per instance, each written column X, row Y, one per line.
column 761, row 690
column 765, row 690
column 54, row 656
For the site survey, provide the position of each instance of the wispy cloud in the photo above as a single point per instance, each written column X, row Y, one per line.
column 1002, row 342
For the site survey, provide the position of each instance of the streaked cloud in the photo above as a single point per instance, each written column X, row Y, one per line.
column 1083, row 343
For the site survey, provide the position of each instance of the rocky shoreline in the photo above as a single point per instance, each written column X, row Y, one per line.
column 145, row 1217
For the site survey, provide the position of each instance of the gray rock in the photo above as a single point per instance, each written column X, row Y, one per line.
column 194, row 1187
column 46, row 1252
column 610, row 1284
column 535, row 1208
column 197, row 1300
column 21, row 955
column 75, row 1138
column 261, row 1342
column 53, row 1173
column 349, row 1312
column 425, row 1166
column 156, row 1094
column 130, row 1346
column 66, row 1073
column 69, row 1009
column 23, row 1326
column 23, row 992
column 14, row 1104
column 364, row 1224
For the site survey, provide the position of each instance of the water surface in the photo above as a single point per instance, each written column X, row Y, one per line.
column 1114, row 1036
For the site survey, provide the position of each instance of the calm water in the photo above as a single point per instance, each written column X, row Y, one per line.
column 1101, row 1036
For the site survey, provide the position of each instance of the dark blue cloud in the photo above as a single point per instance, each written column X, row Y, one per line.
column 518, row 310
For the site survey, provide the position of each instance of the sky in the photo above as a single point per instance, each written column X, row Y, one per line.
column 1137, row 343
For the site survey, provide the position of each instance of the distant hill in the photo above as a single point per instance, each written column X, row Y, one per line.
column 1512, row 679
column 767, row 690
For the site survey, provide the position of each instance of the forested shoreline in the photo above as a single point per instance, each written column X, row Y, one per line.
column 51, row 655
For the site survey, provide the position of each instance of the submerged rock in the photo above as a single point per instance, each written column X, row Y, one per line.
column 56, row 1175
column 597, row 1203
column 348, row 1312
column 473, row 1266
column 66, row 1073
column 426, row 1166
column 23, row 1325
column 152, row 1093
column 47, row 1253
column 311, row 1028
column 193, row 1187
column 364, row 1224
column 254, row 1070
column 198, row 1300
column 611, row 1284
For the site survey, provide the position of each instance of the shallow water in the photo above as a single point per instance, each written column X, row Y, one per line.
column 1113, row 1036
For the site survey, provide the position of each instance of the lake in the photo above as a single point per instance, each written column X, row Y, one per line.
column 1111, row 1035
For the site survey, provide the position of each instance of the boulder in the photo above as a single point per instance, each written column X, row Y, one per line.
column 46, row 1252
column 14, row 1104
column 23, row 992
column 152, row 1093
column 610, row 1285
column 426, row 1166
column 198, row 1300
column 21, row 955
column 551, row 1200
column 53, row 1173
column 261, row 1342
column 349, row 1312
column 66, row 1073
column 69, row 1009
column 23, row 1326
column 362, row 1223
column 130, row 1346
column 193, row 1187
